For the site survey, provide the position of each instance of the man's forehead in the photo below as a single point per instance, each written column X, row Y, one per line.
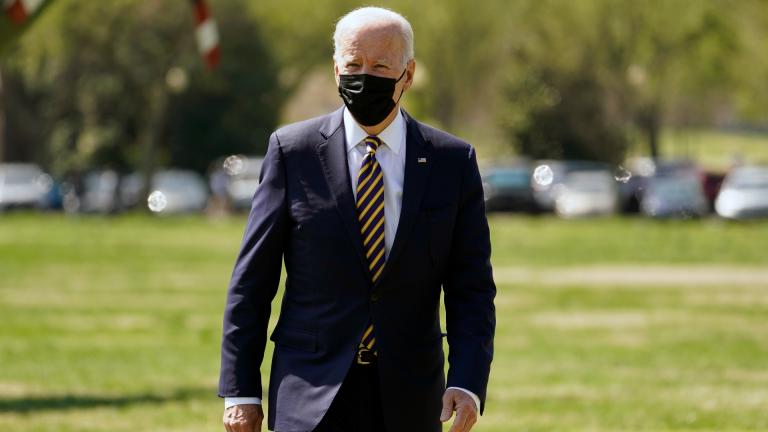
column 356, row 54
column 372, row 34
column 382, row 42
column 375, row 27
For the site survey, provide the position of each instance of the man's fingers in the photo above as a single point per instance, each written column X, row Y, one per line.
column 225, row 420
column 244, row 418
column 244, row 427
column 448, row 404
column 471, row 416
column 241, row 427
column 465, row 418
column 459, row 422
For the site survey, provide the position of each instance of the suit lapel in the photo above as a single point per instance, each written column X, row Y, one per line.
column 333, row 157
column 417, row 166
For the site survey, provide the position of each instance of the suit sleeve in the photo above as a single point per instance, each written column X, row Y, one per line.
column 254, row 282
column 470, row 290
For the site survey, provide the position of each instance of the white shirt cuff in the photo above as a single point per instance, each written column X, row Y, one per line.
column 232, row 401
column 474, row 396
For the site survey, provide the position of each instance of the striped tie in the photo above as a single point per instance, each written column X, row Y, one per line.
column 370, row 213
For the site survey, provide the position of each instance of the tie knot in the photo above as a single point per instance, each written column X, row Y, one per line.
column 372, row 143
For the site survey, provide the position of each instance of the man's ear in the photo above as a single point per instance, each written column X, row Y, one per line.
column 410, row 70
column 336, row 73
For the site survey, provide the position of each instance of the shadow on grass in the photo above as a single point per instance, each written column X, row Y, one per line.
column 85, row 401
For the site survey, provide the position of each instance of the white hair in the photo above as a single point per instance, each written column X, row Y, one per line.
column 367, row 15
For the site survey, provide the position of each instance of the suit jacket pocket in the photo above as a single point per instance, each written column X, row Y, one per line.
column 300, row 339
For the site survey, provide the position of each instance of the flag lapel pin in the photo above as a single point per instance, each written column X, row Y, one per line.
column 422, row 160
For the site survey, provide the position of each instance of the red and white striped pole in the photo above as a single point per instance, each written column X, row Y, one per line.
column 19, row 10
column 206, row 33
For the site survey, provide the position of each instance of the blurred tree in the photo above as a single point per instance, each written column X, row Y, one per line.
column 95, row 70
column 642, row 60
column 750, row 18
column 232, row 110
column 11, row 30
column 18, row 109
column 565, row 78
column 562, row 99
column 676, row 53
column 299, row 34
column 103, row 70
column 575, row 117
column 460, row 56
column 13, row 93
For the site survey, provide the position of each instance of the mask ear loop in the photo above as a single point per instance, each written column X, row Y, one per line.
column 403, row 89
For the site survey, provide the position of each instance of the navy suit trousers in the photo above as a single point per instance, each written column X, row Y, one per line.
column 357, row 406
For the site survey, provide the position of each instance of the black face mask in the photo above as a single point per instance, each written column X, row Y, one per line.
column 368, row 97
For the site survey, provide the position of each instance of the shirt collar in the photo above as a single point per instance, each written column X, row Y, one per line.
column 393, row 136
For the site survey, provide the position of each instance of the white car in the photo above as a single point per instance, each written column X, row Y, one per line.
column 744, row 193
column 172, row 191
column 22, row 185
column 586, row 193
column 243, row 182
column 548, row 176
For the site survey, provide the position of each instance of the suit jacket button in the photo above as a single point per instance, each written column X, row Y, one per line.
column 375, row 297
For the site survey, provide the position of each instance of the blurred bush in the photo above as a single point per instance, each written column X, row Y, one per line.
column 100, row 83
column 89, row 83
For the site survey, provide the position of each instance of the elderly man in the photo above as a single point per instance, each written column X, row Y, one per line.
column 373, row 213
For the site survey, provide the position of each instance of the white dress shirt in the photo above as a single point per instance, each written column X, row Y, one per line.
column 391, row 158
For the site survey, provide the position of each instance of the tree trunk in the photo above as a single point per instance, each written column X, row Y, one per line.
column 2, row 118
column 653, row 137
column 150, row 136
column 649, row 121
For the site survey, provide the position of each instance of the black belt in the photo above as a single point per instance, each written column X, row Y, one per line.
column 365, row 357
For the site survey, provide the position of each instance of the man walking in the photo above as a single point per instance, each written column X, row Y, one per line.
column 374, row 214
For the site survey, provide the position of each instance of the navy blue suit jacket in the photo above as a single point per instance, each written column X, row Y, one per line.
column 303, row 212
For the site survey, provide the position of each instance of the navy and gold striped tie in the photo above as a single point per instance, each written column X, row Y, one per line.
column 370, row 213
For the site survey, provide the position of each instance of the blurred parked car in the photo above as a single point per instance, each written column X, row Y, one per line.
column 744, row 193
column 682, row 167
column 233, row 180
column 632, row 192
column 674, row 195
column 172, row 191
column 54, row 198
column 100, row 191
column 586, row 193
column 23, row 185
column 243, row 182
column 508, row 187
column 711, row 182
column 544, row 187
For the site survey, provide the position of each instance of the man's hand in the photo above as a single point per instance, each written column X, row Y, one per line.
column 243, row 418
column 464, row 405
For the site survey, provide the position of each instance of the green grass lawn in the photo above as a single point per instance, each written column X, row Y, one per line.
column 113, row 325
column 713, row 149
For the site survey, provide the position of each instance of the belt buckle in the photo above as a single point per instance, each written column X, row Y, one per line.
column 364, row 356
